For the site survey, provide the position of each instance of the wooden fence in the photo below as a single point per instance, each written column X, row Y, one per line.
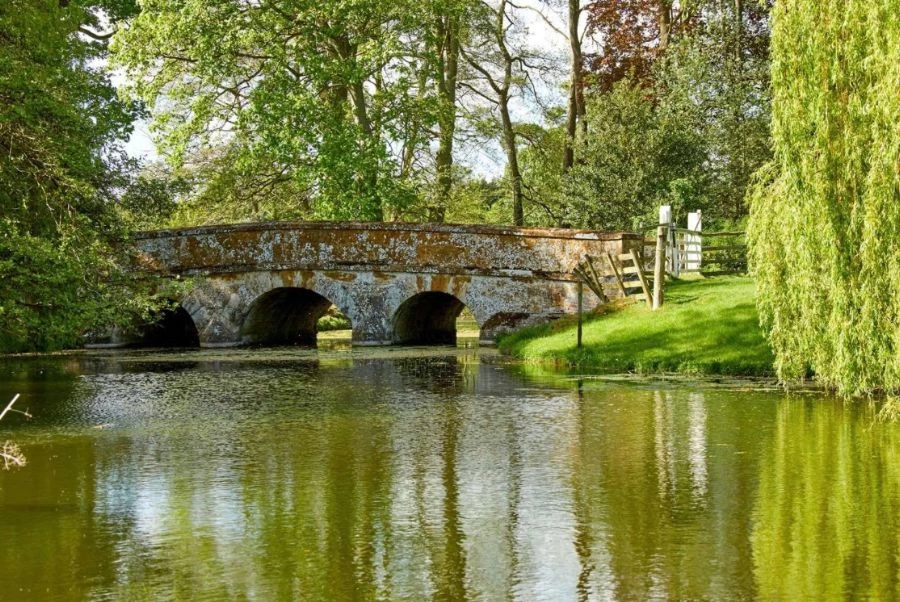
column 640, row 273
column 698, row 252
column 628, row 270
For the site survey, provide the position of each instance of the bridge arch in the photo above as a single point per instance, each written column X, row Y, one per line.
column 285, row 315
column 170, row 327
column 427, row 318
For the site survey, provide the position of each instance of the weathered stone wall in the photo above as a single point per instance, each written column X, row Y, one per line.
column 508, row 277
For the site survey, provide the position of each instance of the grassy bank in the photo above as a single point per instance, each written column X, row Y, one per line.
column 705, row 327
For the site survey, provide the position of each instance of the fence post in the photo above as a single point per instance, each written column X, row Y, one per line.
column 659, row 268
column 580, row 297
column 693, row 243
column 665, row 215
column 665, row 218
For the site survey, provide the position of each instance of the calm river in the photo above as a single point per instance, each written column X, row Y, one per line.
column 412, row 474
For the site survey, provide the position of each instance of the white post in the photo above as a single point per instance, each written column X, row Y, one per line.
column 665, row 215
column 665, row 218
column 693, row 243
column 659, row 268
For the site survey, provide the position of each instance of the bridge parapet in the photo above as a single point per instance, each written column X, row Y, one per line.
column 393, row 247
column 508, row 277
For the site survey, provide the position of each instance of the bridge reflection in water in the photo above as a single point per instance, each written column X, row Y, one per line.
column 442, row 477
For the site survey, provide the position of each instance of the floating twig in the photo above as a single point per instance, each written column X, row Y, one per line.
column 10, row 453
column 9, row 408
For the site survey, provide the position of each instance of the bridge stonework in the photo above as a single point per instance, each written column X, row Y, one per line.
column 396, row 282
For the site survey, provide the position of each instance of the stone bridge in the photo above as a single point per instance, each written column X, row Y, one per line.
column 269, row 283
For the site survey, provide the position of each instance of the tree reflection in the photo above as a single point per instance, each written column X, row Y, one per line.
column 661, row 483
column 450, row 480
column 827, row 516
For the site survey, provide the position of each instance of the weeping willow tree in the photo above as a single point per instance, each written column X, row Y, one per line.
column 825, row 215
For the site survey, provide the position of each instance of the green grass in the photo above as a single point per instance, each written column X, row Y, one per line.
column 705, row 327
column 329, row 322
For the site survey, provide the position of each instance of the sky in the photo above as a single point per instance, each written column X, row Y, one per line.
column 140, row 144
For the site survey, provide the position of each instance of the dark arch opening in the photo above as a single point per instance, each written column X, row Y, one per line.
column 427, row 319
column 173, row 327
column 285, row 316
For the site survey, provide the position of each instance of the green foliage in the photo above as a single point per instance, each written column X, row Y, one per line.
column 59, row 120
column 541, row 159
column 219, row 188
column 152, row 197
column 333, row 322
column 705, row 327
column 689, row 133
column 56, row 289
column 61, row 169
column 307, row 99
column 723, row 98
column 825, row 216
column 477, row 201
column 633, row 151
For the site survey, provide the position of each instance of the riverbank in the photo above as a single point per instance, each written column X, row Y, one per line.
column 706, row 327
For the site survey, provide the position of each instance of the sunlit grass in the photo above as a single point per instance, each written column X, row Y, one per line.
column 705, row 327
column 467, row 326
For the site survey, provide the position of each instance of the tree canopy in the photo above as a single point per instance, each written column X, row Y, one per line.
column 825, row 217
column 360, row 110
column 321, row 96
column 62, row 167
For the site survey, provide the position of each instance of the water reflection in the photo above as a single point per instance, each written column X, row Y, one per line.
column 827, row 517
column 439, row 478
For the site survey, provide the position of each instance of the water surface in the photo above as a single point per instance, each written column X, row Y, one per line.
column 413, row 474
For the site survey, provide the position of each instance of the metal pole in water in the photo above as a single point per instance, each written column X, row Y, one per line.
column 580, row 296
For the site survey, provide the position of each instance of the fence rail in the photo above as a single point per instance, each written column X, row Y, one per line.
column 628, row 270
column 641, row 272
column 686, row 253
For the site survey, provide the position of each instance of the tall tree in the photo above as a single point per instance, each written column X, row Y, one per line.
column 61, row 169
column 638, row 154
column 690, row 132
column 825, row 220
column 320, row 92
column 502, row 63
column 447, row 24
column 574, row 32
column 716, row 79
column 576, row 109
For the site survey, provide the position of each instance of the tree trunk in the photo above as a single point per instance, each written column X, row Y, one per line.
column 576, row 94
column 665, row 24
column 509, row 134
column 357, row 93
column 505, row 61
column 447, row 79
column 360, row 111
column 512, row 157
